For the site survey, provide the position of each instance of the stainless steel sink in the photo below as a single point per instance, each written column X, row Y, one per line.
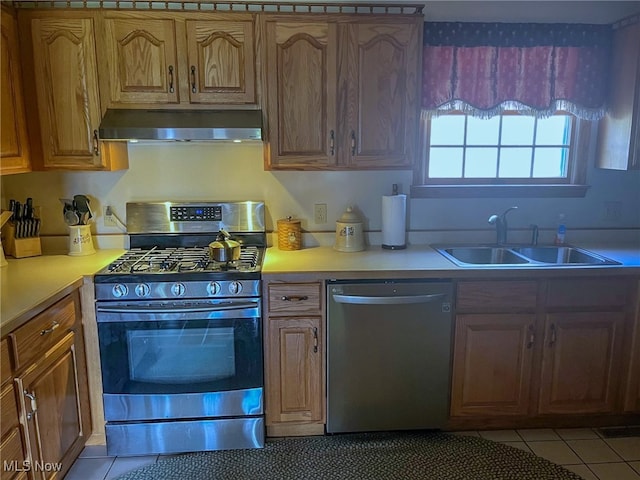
column 540, row 256
column 482, row 256
column 563, row 256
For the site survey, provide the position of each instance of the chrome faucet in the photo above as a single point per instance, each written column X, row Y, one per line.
column 500, row 221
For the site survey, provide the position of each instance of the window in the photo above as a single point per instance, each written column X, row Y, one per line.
column 522, row 154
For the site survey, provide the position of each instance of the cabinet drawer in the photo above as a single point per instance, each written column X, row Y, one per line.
column 9, row 409
column 496, row 295
column 5, row 361
column 587, row 292
column 44, row 330
column 10, row 451
column 293, row 298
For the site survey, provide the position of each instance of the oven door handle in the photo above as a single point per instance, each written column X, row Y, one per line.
column 174, row 309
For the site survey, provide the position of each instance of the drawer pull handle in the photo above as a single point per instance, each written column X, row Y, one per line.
column 532, row 336
column 332, row 140
column 96, row 145
column 34, row 404
column 54, row 325
column 171, row 89
column 553, row 335
column 294, row 298
column 193, row 79
column 315, row 340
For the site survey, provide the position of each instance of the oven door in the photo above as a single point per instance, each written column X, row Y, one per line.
column 180, row 359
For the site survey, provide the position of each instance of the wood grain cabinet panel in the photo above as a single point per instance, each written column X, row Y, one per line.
column 12, row 453
column 14, row 144
column 500, row 295
column 143, row 60
column 342, row 93
column 581, row 362
column 221, row 61
column 492, row 364
column 5, row 361
column 295, row 344
column 60, row 65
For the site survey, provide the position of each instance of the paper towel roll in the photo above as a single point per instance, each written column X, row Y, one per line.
column 394, row 216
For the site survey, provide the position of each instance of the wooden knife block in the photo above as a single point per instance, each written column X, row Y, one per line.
column 20, row 247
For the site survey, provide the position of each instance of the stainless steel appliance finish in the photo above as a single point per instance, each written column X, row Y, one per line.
column 180, row 333
column 201, row 125
column 388, row 355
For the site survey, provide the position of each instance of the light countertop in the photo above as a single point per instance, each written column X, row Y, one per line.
column 29, row 285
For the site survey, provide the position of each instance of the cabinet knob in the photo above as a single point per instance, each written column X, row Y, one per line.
column 34, row 404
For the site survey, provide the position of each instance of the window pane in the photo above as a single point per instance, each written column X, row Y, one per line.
column 483, row 131
column 550, row 162
column 515, row 162
column 445, row 162
column 517, row 130
column 553, row 130
column 447, row 130
column 481, row 163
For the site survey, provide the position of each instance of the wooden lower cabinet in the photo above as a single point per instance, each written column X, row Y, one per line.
column 45, row 401
column 294, row 358
column 581, row 362
column 492, row 364
column 547, row 358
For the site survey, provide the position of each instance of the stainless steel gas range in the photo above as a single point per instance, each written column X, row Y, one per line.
column 180, row 334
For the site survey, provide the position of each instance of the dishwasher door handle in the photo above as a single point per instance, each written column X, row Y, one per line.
column 387, row 300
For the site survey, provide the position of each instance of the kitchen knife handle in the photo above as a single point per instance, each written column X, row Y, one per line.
column 171, row 89
column 46, row 331
column 96, row 149
column 193, row 78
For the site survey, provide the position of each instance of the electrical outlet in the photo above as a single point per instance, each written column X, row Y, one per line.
column 109, row 218
column 320, row 213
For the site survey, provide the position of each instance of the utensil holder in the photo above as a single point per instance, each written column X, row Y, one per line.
column 20, row 247
column 80, row 241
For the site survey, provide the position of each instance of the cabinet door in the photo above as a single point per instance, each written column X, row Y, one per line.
column 67, row 90
column 14, row 146
column 581, row 362
column 301, row 94
column 50, row 397
column 294, row 370
column 142, row 60
column 221, row 61
column 492, row 364
column 383, row 94
column 619, row 130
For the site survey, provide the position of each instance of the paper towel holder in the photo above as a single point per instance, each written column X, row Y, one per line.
column 399, row 245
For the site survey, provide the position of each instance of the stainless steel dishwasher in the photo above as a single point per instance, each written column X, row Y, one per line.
column 388, row 355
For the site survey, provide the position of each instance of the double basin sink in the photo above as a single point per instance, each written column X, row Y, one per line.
column 521, row 256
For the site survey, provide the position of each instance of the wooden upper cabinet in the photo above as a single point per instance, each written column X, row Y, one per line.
column 383, row 96
column 142, row 59
column 14, row 145
column 301, row 93
column 221, row 61
column 619, row 130
column 66, row 111
column 154, row 60
column 342, row 93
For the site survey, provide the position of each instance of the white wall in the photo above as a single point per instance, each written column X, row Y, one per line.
column 222, row 172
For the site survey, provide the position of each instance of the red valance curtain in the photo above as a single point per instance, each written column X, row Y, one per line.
column 485, row 68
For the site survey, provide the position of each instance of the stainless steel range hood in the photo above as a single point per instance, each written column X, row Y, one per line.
column 185, row 125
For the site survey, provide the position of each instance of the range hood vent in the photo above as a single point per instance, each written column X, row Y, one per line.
column 185, row 125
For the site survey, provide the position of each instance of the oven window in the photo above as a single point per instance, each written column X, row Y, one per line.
column 175, row 356
column 180, row 356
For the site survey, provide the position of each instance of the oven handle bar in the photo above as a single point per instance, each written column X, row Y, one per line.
column 175, row 309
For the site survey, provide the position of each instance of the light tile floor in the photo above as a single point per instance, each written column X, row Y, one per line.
column 581, row 450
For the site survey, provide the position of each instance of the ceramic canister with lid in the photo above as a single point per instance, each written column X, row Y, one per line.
column 349, row 235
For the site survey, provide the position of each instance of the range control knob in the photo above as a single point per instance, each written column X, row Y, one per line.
column 178, row 289
column 213, row 288
column 143, row 290
column 119, row 290
column 235, row 288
